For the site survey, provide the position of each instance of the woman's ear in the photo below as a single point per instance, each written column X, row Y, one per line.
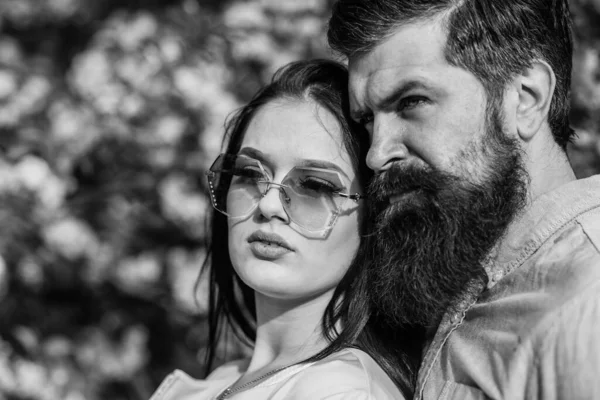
column 535, row 87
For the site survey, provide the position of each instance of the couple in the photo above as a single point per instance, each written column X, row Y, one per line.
column 412, row 228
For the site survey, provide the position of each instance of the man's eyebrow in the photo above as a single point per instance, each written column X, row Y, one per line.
column 396, row 94
column 390, row 99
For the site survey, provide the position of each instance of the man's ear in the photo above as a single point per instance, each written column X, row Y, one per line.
column 535, row 87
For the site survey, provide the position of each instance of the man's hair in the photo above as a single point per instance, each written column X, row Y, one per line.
column 492, row 39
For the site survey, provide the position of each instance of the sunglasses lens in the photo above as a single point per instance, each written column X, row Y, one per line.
column 235, row 184
column 308, row 195
column 311, row 197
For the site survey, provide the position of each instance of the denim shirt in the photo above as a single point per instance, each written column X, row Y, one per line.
column 534, row 331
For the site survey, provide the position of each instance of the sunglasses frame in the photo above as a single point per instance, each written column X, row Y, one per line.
column 320, row 233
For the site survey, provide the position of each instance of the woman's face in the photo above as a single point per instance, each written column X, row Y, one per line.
column 269, row 254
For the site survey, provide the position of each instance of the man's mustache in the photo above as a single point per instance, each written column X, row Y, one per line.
column 402, row 178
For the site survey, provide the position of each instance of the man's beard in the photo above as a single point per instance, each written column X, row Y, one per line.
column 423, row 250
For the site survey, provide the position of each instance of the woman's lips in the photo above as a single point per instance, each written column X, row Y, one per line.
column 268, row 251
column 268, row 246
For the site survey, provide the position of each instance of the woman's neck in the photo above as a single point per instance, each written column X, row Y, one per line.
column 288, row 331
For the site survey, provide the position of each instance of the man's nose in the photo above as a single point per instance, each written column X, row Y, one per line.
column 387, row 144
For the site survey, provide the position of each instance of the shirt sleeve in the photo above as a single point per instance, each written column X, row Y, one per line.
column 568, row 359
column 342, row 379
column 330, row 381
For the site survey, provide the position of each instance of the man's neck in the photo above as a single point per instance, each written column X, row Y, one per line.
column 548, row 167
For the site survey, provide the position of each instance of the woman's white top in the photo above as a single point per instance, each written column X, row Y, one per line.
column 349, row 374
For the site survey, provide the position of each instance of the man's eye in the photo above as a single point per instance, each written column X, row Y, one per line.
column 411, row 102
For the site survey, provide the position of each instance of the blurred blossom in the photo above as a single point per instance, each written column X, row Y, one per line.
column 184, row 269
column 30, row 273
column 16, row 10
column 10, row 53
column 257, row 47
column 132, row 31
column 68, row 121
column 63, row 8
column 35, row 174
column 139, row 274
column 196, row 84
column 119, row 360
column 137, row 70
column 27, row 338
column 92, row 77
column 7, row 381
column 171, row 49
column 132, row 106
column 24, row 13
column 100, row 265
column 71, row 238
column 74, row 130
column 4, row 277
column 90, row 70
column 133, row 354
column 162, row 157
column 216, row 113
column 182, row 205
column 8, row 84
column 9, row 181
column 586, row 80
column 32, row 172
column 584, row 139
column 31, row 378
column 57, row 347
column 245, row 15
column 311, row 26
column 169, row 129
column 59, row 375
column 28, row 99
column 294, row 6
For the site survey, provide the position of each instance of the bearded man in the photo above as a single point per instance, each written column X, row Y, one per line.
column 480, row 231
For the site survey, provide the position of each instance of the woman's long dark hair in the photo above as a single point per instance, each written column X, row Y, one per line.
column 231, row 301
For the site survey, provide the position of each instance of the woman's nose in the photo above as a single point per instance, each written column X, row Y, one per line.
column 271, row 204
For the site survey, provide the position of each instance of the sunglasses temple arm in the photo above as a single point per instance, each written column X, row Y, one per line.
column 354, row 196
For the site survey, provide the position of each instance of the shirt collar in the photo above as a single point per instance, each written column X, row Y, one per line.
column 540, row 220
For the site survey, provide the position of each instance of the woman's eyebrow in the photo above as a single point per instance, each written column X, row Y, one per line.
column 311, row 163
column 253, row 153
column 305, row 163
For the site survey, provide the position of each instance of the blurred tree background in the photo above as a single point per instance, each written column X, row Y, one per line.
column 110, row 112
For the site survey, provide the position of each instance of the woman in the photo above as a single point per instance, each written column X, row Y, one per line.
column 288, row 203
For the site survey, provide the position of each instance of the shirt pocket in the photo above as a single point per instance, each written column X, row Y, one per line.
column 457, row 391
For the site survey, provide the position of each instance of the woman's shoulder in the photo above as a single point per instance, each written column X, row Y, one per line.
column 347, row 374
column 180, row 386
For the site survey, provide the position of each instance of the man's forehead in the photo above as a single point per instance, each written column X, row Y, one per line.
column 412, row 52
